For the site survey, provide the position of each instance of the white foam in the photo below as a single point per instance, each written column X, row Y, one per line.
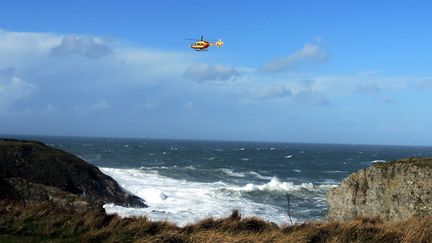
column 378, row 161
column 259, row 176
column 184, row 202
column 276, row 185
column 244, row 174
column 373, row 161
column 231, row 173
column 334, row 171
column 288, row 156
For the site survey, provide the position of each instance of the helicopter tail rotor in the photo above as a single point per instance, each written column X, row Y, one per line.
column 219, row 43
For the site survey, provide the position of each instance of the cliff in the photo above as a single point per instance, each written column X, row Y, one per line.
column 32, row 171
column 394, row 190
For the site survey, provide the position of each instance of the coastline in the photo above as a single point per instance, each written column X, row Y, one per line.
column 69, row 208
column 41, row 222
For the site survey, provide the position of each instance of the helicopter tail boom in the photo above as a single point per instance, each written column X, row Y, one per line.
column 218, row 43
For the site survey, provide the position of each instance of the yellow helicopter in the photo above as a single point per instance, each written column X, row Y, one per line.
column 202, row 45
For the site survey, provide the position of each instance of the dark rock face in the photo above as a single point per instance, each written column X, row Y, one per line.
column 395, row 190
column 37, row 163
column 17, row 189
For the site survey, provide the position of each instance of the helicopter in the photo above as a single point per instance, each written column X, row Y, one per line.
column 202, row 45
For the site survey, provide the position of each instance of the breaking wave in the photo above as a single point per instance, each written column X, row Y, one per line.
column 184, row 202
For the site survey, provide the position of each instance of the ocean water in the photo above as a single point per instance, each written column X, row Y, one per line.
column 185, row 181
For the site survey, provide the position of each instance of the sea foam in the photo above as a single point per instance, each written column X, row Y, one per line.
column 184, row 202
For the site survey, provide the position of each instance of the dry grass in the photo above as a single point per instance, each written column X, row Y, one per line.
column 41, row 222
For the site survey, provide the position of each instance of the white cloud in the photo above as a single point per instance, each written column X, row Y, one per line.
column 32, row 54
column 387, row 100
column 274, row 91
column 208, row 73
column 20, row 40
column 425, row 83
column 86, row 46
column 368, row 88
column 9, row 71
column 190, row 108
column 307, row 83
column 310, row 97
column 50, row 108
column 309, row 53
column 14, row 90
column 100, row 105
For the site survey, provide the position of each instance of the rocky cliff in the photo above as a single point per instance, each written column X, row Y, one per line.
column 33, row 171
column 394, row 190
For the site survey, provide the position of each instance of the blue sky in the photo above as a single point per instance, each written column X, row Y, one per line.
column 293, row 71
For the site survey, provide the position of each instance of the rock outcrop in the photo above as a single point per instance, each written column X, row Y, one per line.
column 31, row 171
column 20, row 190
column 394, row 190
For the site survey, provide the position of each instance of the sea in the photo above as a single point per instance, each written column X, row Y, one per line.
column 185, row 181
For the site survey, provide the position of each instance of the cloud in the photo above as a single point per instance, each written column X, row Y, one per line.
column 100, row 105
column 310, row 97
column 191, row 108
column 310, row 53
column 68, row 83
column 86, row 46
column 9, row 71
column 202, row 73
column 14, row 90
column 307, row 83
column 50, row 108
column 274, row 91
column 368, row 88
column 425, row 83
column 387, row 100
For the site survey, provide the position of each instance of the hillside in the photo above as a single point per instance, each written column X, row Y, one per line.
column 30, row 164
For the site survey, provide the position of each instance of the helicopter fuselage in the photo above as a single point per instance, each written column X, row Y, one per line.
column 200, row 45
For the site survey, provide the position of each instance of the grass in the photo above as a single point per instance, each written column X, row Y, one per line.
column 41, row 222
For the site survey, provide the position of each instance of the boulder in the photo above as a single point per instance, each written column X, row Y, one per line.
column 393, row 190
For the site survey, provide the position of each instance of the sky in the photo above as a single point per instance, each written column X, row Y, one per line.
column 356, row 72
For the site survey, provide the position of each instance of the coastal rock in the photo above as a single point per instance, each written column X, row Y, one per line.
column 17, row 189
column 37, row 163
column 394, row 190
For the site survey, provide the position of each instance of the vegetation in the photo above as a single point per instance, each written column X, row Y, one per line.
column 43, row 222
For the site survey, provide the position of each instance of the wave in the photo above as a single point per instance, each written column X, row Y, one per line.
column 276, row 185
column 334, row 171
column 231, row 173
column 373, row 161
column 259, row 176
column 183, row 201
column 378, row 161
